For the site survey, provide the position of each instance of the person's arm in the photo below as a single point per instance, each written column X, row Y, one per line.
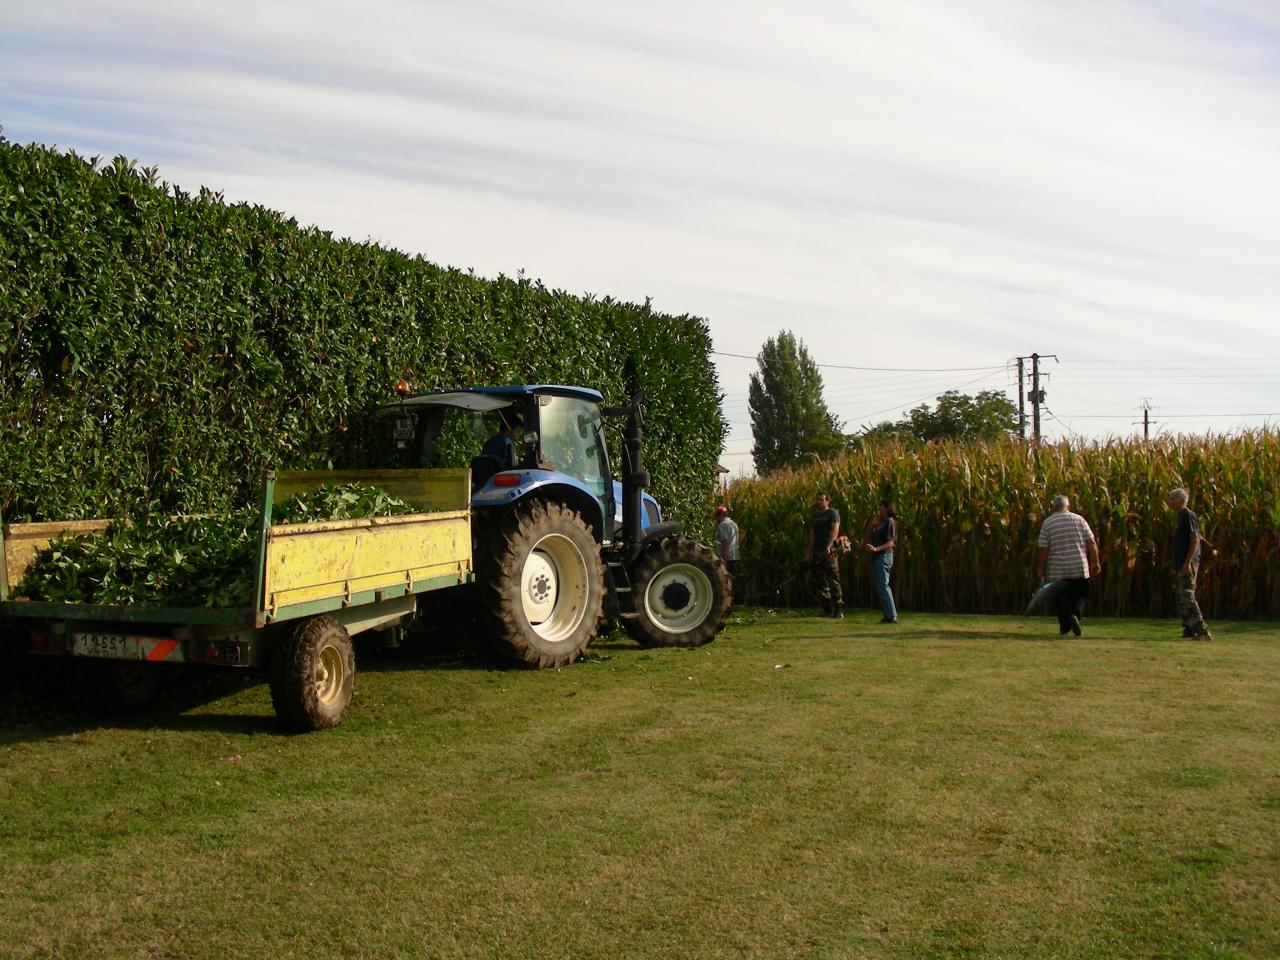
column 1095, row 564
column 835, row 532
column 891, row 540
column 1042, row 554
column 884, row 547
column 1192, row 546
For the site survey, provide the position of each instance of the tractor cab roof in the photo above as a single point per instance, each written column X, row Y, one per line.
column 484, row 399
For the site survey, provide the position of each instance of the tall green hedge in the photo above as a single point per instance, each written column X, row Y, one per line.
column 160, row 351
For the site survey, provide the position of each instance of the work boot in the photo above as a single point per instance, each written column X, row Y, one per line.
column 1075, row 625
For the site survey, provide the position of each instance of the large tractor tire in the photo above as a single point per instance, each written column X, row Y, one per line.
column 682, row 593
column 541, row 585
column 313, row 672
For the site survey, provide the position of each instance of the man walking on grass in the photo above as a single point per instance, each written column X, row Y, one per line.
column 727, row 539
column 1068, row 552
column 1186, row 564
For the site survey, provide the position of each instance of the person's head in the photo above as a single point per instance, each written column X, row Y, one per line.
column 821, row 501
column 508, row 420
column 721, row 512
column 886, row 509
column 1061, row 503
column 1178, row 499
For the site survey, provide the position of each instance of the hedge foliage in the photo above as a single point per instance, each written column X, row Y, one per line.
column 160, row 351
column 969, row 516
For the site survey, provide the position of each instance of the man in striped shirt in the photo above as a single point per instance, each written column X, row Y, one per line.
column 1067, row 552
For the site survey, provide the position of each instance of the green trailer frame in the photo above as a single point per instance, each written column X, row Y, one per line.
column 365, row 574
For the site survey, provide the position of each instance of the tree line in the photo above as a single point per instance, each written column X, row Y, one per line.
column 791, row 425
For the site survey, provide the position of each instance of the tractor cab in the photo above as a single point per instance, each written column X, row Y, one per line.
column 517, row 441
column 559, row 545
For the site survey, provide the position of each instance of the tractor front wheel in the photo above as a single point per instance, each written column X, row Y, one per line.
column 541, row 584
column 682, row 595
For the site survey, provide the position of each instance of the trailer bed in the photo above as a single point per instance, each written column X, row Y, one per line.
column 365, row 573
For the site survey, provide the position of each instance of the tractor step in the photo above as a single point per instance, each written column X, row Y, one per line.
column 620, row 582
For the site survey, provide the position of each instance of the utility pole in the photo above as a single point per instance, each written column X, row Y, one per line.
column 1146, row 418
column 1035, row 395
column 1022, row 403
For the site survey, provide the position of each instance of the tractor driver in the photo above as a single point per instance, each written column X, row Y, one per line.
column 501, row 445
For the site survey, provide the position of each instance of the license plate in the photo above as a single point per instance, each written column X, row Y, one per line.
column 115, row 646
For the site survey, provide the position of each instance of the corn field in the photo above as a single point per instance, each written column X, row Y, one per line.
column 969, row 515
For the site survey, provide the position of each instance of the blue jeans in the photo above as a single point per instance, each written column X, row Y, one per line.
column 881, row 564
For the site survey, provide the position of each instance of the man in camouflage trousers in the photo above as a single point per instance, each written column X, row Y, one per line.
column 1186, row 564
column 824, row 570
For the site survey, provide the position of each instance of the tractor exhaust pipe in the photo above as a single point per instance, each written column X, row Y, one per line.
column 634, row 477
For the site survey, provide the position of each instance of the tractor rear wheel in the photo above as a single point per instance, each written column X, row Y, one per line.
column 313, row 672
column 682, row 593
column 541, row 584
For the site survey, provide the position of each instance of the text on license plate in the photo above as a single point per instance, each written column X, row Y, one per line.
column 115, row 646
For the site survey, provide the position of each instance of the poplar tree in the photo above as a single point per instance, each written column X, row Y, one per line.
column 790, row 422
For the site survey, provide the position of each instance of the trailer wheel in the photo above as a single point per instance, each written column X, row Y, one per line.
column 682, row 595
column 114, row 687
column 540, row 584
column 312, row 674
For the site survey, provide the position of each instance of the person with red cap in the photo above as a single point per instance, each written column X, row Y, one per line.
column 727, row 539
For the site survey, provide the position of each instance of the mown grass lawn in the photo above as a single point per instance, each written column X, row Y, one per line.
column 954, row 787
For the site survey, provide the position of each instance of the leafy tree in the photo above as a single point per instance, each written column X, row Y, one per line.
column 989, row 415
column 789, row 419
column 885, row 430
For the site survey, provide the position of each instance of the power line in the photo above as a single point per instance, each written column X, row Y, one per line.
column 1178, row 416
column 1053, row 416
column 899, row 406
column 844, row 366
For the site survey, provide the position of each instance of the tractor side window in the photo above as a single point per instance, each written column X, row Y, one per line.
column 459, row 435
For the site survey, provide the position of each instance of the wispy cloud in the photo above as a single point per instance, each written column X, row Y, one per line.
column 921, row 183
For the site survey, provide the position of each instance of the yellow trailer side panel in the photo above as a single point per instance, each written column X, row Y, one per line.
column 22, row 541
column 320, row 561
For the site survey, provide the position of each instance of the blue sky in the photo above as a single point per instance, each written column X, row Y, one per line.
column 921, row 184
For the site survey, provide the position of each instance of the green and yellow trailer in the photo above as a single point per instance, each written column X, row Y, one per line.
column 316, row 585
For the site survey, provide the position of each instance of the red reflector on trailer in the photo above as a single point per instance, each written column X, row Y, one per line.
column 507, row 480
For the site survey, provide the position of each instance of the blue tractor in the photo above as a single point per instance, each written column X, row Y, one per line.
column 560, row 546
